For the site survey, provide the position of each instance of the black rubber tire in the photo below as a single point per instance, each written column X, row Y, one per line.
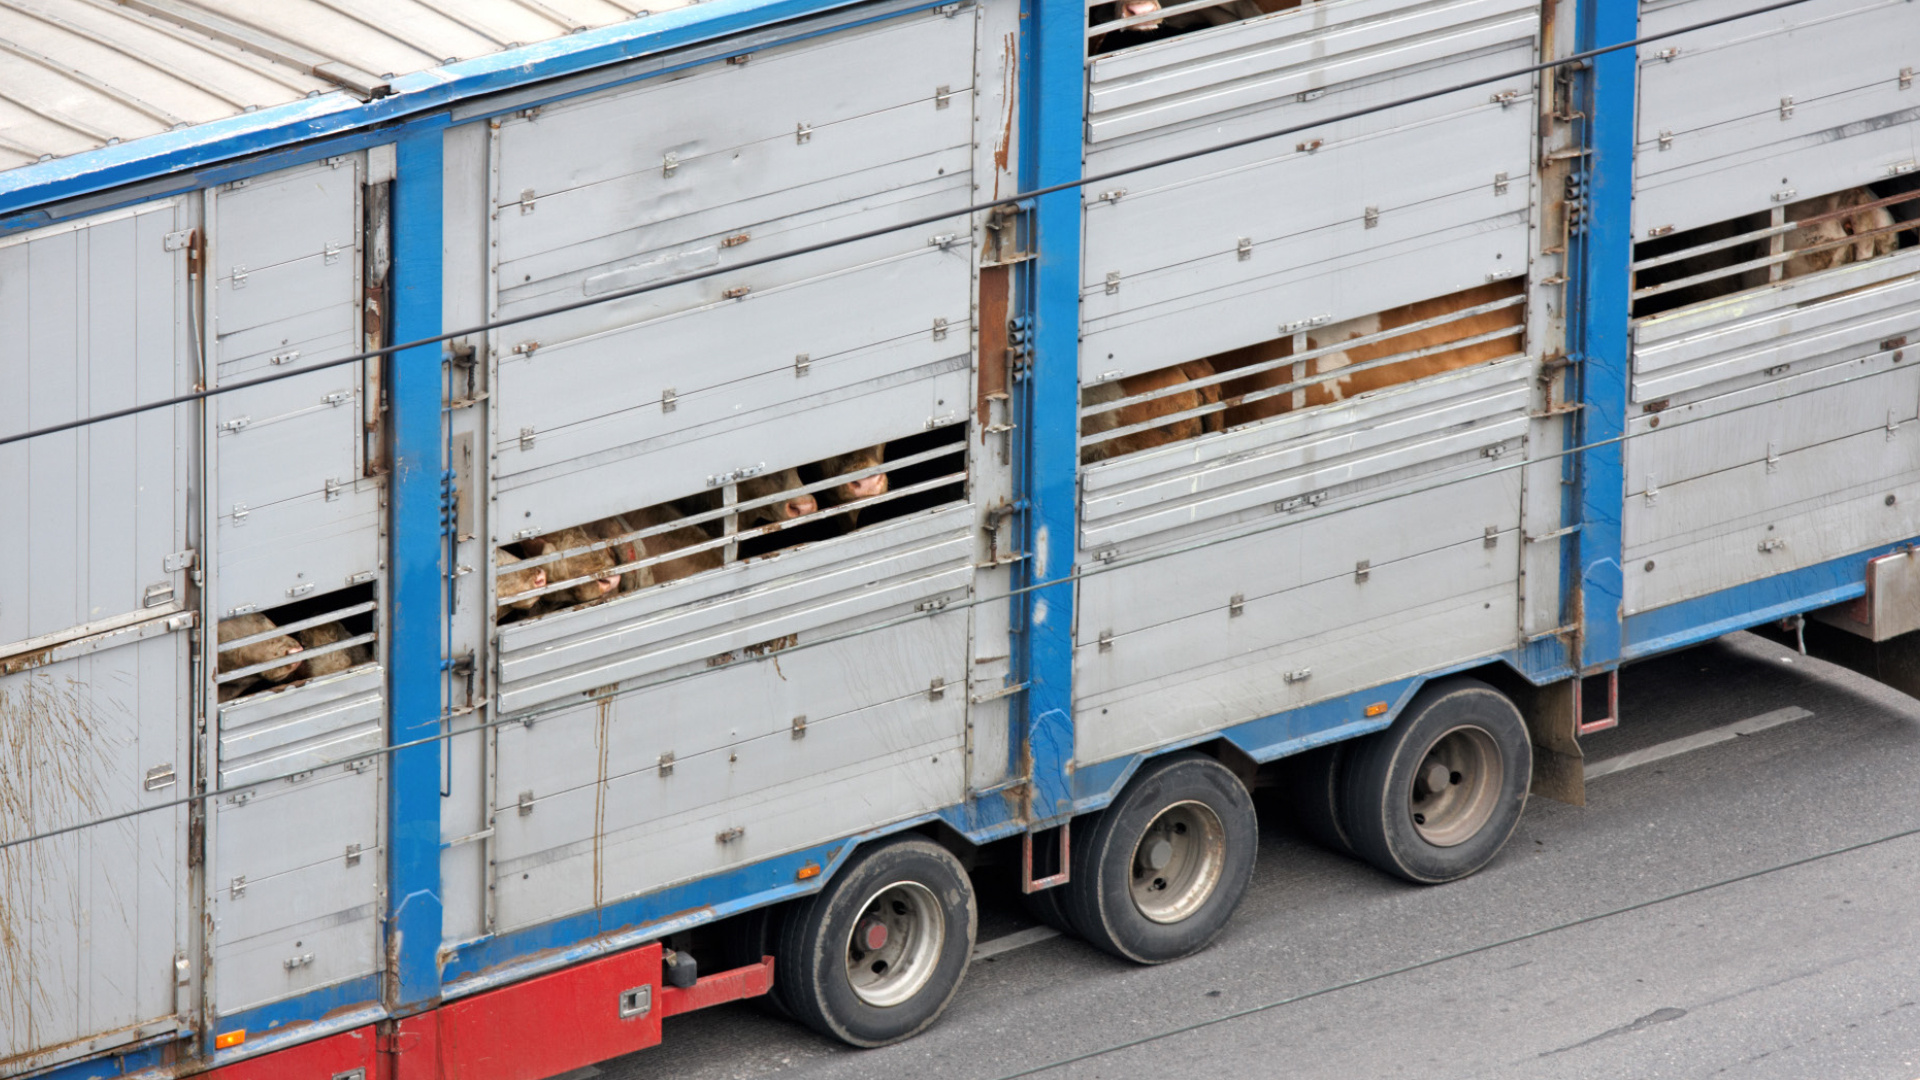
column 1099, row 900
column 1377, row 808
column 1313, row 796
column 810, row 976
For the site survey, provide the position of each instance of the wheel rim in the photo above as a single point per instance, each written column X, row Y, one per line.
column 895, row 943
column 1456, row 786
column 1178, row 861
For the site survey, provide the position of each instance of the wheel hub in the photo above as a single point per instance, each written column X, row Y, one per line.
column 1453, row 792
column 1177, row 862
column 895, row 944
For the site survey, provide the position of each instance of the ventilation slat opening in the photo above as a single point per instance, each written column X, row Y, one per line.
column 1113, row 25
column 287, row 645
column 735, row 519
column 1302, row 369
column 1673, row 270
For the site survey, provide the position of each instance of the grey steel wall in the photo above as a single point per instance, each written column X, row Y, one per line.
column 690, row 763
column 94, row 687
column 1266, row 241
column 1773, row 429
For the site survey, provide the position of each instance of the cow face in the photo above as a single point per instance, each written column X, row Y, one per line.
column 594, row 565
column 867, row 487
column 511, row 585
column 260, row 652
column 340, row 660
column 797, row 505
column 1823, row 244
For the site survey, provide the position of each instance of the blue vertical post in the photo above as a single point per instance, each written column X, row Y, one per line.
column 1052, row 133
column 414, row 625
column 1602, row 315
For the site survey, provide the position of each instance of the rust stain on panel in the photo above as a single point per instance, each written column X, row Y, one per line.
column 994, row 284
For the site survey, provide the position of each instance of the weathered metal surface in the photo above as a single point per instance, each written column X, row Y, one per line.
column 1733, row 115
column 295, row 883
column 87, row 950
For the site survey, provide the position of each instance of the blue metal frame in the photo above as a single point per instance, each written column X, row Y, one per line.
column 1599, row 257
column 1051, row 142
column 417, row 618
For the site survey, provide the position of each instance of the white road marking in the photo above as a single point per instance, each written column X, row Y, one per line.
column 1676, row 747
column 1019, row 939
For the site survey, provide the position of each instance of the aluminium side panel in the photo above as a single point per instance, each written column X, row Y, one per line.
column 778, row 700
column 294, row 848
column 1810, row 99
column 94, row 679
column 1225, row 249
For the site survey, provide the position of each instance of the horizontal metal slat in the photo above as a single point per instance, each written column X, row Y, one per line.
column 320, row 722
column 1288, row 53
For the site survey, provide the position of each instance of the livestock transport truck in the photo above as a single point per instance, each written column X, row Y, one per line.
column 524, row 519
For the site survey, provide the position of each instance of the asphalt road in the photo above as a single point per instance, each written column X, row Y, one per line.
column 1726, row 905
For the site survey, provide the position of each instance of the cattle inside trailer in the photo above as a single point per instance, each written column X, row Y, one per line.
column 539, row 520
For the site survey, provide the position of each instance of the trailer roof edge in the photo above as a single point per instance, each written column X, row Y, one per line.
column 153, row 157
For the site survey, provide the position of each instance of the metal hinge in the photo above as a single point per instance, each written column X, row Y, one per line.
column 1500, row 183
column 1236, row 605
column 669, row 400
column 301, row 590
column 728, row 836
column 292, row 963
column 527, row 201
column 942, row 241
column 238, row 423
column 1906, row 78
column 665, row 764
column 802, row 363
column 1298, row 325
column 526, row 438
column 526, row 803
column 240, row 513
column 1667, row 54
column 1362, row 570
column 799, row 727
column 353, row 854
column 179, row 560
column 1309, row 146
column 337, row 398
column 1491, row 537
column 1773, row 457
column 939, row 329
column 330, row 253
column 1666, row 140
column 1113, row 282
column 239, row 277
column 1370, row 218
column 936, row 689
column 942, row 96
column 1112, row 195
column 1786, row 108
column 1505, row 98
column 175, row 241
column 333, row 490
column 1302, row 502
column 1772, row 544
column 1298, row 676
column 737, row 292
column 932, row 605
column 802, row 134
column 1244, row 248
column 669, row 163
column 237, row 888
column 281, row 359
column 1106, row 641
column 1653, row 491
column 736, row 475
column 1785, row 196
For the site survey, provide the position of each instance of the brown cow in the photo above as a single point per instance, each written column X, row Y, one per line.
column 328, row 663
column 260, row 652
column 594, row 565
column 512, row 583
column 670, row 541
column 867, row 487
column 1140, row 412
column 1834, row 231
column 1360, row 382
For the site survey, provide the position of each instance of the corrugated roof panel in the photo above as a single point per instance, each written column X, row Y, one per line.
column 80, row 74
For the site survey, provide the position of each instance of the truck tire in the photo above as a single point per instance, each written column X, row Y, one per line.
column 1313, row 793
column 876, row 955
column 1434, row 797
column 1163, row 867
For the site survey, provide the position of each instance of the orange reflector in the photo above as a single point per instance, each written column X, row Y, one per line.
column 1376, row 708
column 229, row 1039
column 811, row 870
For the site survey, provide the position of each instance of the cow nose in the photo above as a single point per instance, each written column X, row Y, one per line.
column 1143, row 7
column 869, row 486
column 539, row 579
column 801, row 507
column 294, row 647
